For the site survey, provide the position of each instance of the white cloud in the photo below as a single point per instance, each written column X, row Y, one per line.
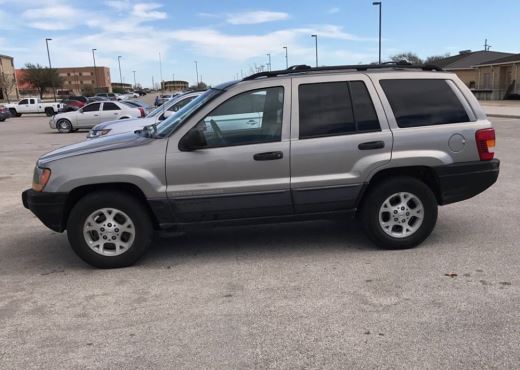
column 254, row 17
column 333, row 10
column 55, row 16
column 118, row 5
column 148, row 11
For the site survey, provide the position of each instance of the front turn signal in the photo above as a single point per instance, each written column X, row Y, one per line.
column 41, row 178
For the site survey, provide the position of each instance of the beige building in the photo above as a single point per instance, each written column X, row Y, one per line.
column 498, row 79
column 119, row 85
column 463, row 64
column 8, row 85
column 176, row 85
column 77, row 80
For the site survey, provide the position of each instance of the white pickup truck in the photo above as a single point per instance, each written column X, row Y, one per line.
column 33, row 105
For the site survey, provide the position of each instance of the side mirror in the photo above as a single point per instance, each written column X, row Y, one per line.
column 193, row 140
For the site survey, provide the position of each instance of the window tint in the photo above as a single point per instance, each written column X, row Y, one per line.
column 91, row 107
column 335, row 108
column 423, row 102
column 110, row 106
column 24, row 101
column 182, row 103
column 248, row 118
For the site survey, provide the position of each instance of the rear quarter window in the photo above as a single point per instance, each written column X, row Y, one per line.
column 423, row 102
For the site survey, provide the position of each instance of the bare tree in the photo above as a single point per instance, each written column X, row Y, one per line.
column 407, row 56
column 7, row 84
column 434, row 58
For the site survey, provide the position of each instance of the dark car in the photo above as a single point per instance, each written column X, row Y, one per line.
column 109, row 96
column 70, row 105
column 92, row 99
column 4, row 114
column 138, row 104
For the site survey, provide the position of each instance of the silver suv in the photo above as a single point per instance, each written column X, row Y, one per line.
column 385, row 143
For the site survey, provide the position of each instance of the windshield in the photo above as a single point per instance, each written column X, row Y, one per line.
column 167, row 126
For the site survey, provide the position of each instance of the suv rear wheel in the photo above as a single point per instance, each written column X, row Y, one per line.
column 64, row 126
column 399, row 213
column 109, row 229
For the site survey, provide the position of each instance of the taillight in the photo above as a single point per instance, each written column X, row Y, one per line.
column 485, row 139
column 141, row 109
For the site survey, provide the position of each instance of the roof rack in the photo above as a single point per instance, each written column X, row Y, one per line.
column 355, row 67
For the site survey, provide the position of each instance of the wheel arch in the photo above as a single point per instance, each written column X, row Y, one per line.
column 76, row 194
column 421, row 173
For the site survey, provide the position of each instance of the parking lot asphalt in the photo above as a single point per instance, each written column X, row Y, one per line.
column 299, row 295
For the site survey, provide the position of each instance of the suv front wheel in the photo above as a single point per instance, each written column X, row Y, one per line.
column 399, row 213
column 109, row 229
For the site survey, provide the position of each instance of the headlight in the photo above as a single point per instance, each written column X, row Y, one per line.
column 97, row 133
column 41, row 177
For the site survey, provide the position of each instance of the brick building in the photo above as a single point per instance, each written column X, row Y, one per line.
column 8, row 85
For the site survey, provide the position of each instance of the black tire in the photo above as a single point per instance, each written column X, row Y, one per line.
column 18, row 114
column 374, row 200
column 126, row 203
column 49, row 112
column 64, row 126
column 13, row 112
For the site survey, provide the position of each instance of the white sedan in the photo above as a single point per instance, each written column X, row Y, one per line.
column 93, row 114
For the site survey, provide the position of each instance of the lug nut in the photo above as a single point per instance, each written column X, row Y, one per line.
column 113, row 238
column 110, row 225
column 102, row 229
column 105, row 237
column 116, row 230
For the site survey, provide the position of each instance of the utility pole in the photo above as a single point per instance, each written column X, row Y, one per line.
column 379, row 3
column 316, row 47
column 269, row 62
column 486, row 45
column 153, row 84
column 286, row 57
column 135, row 84
column 50, row 67
column 120, row 75
column 95, row 70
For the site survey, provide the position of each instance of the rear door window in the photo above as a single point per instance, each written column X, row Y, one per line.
column 335, row 108
column 94, row 107
column 423, row 102
column 110, row 106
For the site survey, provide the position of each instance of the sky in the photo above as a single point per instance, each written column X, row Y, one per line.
column 230, row 38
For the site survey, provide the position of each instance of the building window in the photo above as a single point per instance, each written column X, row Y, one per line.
column 472, row 84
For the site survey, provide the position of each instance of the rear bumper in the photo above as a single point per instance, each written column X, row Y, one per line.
column 48, row 207
column 461, row 181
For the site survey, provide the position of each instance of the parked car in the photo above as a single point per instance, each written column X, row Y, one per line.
column 385, row 143
column 92, row 114
column 138, row 103
column 141, row 92
column 31, row 106
column 80, row 98
column 4, row 113
column 110, row 96
column 161, row 99
column 69, row 105
column 92, row 99
column 157, row 115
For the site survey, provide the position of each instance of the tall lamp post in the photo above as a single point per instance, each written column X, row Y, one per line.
column 120, row 75
column 95, row 70
column 135, row 84
column 197, row 71
column 286, row 57
column 380, row 5
column 50, row 66
column 316, row 47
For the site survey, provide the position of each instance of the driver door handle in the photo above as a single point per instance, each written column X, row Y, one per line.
column 268, row 156
column 371, row 145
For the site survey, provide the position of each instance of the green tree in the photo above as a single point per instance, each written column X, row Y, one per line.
column 42, row 78
column 88, row 90
column 407, row 56
column 432, row 59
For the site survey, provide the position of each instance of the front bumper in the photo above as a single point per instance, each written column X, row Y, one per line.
column 52, row 122
column 461, row 181
column 48, row 207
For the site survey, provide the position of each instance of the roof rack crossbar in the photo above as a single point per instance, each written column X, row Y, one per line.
column 356, row 67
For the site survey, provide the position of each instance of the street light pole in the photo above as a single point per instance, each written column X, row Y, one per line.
column 120, row 75
column 286, row 57
column 380, row 5
column 316, row 46
column 160, row 70
column 269, row 62
column 135, row 84
column 50, row 67
column 95, row 70
column 197, row 72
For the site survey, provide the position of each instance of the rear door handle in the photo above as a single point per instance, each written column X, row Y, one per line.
column 268, row 156
column 371, row 145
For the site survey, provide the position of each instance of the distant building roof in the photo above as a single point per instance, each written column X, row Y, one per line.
column 508, row 59
column 5, row 56
column 468, row 59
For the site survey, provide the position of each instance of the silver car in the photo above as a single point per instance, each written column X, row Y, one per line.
column 387, row 144
column 155, row 116
column 93, row 114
